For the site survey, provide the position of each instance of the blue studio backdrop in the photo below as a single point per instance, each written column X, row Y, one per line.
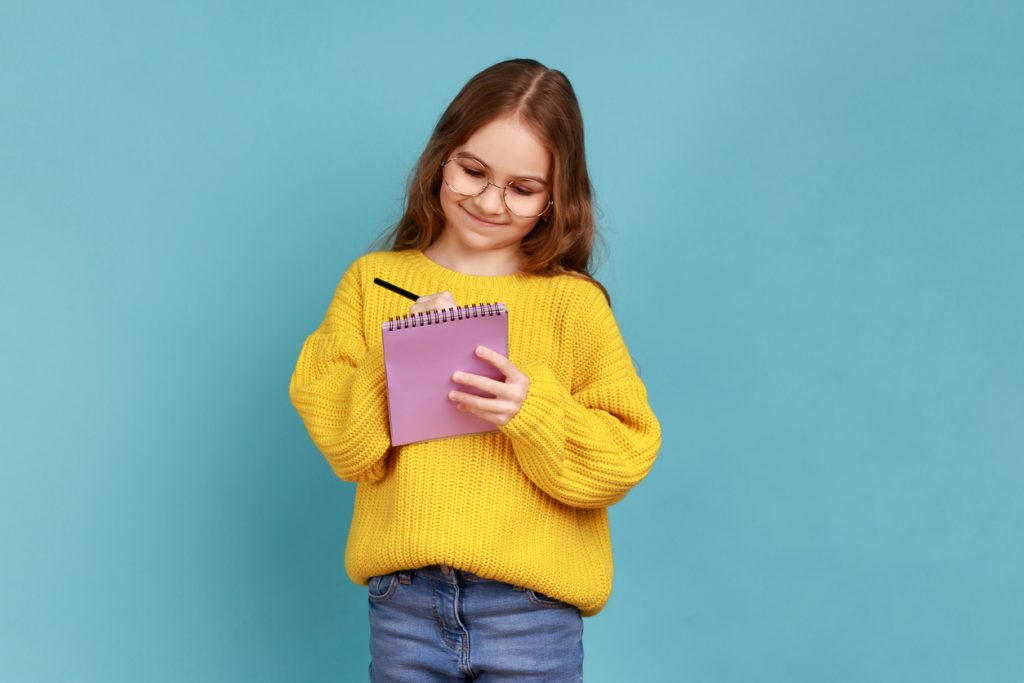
column 814, row 220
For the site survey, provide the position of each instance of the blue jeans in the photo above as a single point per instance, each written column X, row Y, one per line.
column 442, row 624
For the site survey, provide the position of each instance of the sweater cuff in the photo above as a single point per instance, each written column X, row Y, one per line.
column 540, row 421
column 367, row 438
column 369, row 397
column 371, row 376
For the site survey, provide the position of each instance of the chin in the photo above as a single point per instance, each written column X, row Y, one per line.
column 483, row 242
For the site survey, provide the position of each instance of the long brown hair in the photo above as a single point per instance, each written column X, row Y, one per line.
column 563, row 239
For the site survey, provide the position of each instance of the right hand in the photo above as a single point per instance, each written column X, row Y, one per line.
column 433, row 302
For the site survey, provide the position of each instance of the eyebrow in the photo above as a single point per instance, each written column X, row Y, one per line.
column 518, row 177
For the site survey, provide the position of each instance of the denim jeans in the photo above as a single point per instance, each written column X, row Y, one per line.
column 443, row 624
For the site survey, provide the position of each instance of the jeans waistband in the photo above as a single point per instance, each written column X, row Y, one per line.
column 442, row 573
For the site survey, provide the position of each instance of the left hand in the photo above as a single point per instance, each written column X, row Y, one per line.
column 508, row 395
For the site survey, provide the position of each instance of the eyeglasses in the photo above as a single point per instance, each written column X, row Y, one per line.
column 469, row 177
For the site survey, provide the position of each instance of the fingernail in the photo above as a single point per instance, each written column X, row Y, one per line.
column 479, row 350
column 457, row 377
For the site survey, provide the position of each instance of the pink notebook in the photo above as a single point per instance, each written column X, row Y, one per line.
column 420, row 354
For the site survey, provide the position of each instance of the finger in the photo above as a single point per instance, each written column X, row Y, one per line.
column 496, row 417
column 511, row 391
column 433, row 302
column 435, row 295
column 487, row 384
column 499, row 361
column 475, row 402
column 428, row 306
column 446, row 300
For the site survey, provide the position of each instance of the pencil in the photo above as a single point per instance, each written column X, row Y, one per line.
column 395, row 288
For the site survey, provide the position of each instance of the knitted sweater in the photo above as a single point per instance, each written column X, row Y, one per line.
column 526, row 504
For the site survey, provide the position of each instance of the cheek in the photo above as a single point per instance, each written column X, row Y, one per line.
column 446, row 203
column 449, row 200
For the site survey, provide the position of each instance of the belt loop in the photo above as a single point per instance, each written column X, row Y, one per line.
column 405, row 577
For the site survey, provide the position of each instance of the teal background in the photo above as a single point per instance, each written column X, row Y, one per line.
column 813, row 213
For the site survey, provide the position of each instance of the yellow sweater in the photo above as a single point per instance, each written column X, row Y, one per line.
column 526, row 504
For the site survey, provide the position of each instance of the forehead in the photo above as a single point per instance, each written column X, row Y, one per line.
column 509, row 148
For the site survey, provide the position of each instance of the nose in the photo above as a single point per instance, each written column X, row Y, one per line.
column 490, row 200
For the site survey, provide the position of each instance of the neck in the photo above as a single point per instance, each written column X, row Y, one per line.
column 504, row 261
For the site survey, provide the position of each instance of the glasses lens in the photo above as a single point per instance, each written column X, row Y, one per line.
column 524, row 197
column 465, row 176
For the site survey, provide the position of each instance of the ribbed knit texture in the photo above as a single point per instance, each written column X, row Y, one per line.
column 526, row 504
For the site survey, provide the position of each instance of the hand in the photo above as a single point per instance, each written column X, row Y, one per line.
column 508, row 395
column 433, row 302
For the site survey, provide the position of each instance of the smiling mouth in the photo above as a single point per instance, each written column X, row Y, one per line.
column 481, row 220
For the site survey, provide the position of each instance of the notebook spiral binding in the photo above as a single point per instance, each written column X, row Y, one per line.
column 445, row 315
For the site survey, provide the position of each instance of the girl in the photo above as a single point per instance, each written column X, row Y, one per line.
column 481, row 553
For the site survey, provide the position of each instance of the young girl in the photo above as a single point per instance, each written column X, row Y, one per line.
column 481, row 553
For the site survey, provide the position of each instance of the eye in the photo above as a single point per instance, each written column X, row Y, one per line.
column 525, row 189
column 471, row 168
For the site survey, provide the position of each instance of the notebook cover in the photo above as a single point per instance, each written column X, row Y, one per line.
column 419, row 362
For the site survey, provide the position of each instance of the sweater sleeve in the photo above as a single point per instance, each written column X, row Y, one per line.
column 339, row 388
column 587, row 447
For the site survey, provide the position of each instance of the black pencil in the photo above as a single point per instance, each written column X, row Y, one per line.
column 395, row 288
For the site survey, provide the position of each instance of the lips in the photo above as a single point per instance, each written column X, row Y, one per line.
column 481, row 221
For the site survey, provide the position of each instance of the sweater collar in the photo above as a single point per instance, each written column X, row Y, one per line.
column 454, row 278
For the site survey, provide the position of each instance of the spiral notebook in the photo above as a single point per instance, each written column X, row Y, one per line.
column 420, row 354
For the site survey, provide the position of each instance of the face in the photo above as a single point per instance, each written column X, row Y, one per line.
column 483, row 223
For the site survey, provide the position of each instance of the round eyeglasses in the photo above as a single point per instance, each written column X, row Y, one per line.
column 469, row 177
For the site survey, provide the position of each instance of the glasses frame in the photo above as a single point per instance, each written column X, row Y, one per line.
column 490, row 182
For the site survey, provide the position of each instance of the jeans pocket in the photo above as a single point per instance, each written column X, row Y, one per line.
column 382, row 588
column 542, row 600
